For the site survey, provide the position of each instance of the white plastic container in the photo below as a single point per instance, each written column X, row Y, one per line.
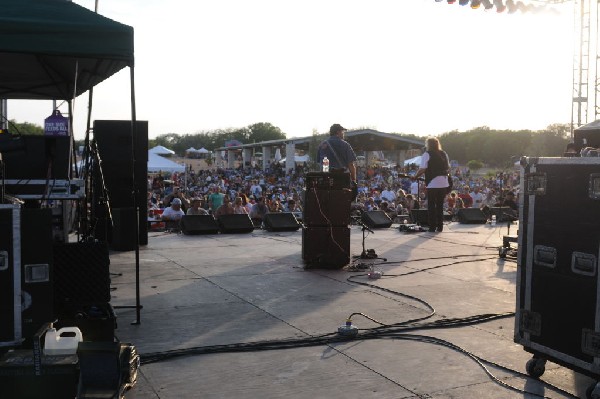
column 63, row 341
column 325, row 164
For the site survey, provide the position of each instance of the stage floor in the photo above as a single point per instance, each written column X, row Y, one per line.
column 199, row 292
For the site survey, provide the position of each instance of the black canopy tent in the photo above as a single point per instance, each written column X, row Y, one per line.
column 58, row 50
column 55, row 49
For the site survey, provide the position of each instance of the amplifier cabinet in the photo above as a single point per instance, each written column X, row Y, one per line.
column 10, row 275
column 326, row 247
column 327, row 207
column 328, row 180
column 557, row 304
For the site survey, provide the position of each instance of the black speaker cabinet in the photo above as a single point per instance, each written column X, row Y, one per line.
column 123, row 230
column 376, row 219
column 471, row 216
column 285, row 221
column 326, row 247
column 419, row 216
column 81, row 273
column 125, row 167
column 235, row 224
column 42, row 157
column 199, row 224
column 327, row 207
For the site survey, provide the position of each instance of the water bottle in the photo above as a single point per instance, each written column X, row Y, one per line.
column 325, row 164
column 493, row 220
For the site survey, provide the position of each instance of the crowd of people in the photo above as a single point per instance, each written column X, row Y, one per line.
column 256, row 192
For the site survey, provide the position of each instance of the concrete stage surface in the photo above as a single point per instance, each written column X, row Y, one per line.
column 222, row 300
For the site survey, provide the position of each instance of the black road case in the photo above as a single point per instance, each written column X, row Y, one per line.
column 557, row 307
column 10, row 276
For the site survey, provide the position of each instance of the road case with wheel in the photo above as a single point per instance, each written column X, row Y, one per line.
column 557, row 308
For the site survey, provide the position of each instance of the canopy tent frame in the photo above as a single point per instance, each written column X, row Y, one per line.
column 58, row 50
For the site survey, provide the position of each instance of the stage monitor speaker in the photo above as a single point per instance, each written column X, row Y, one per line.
column 81, row 273
column 235, row 224
column 420, row 217
column 123, row 230
column 376, row 219
column 285, row 221
column 503, row 213
column 471, row 216
column 199, row 224
column 125, row 167
column 326, row 247
column 327, row 207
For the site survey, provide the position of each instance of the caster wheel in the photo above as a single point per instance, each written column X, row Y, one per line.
column 502, row 252
column 535, row 367
column 593, row 392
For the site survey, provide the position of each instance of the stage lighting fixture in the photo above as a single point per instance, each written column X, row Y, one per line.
column 512, row 7
column 475, row 4
column 463, row 2
column 500, row 7
column 451, row 1
column 438, row 1
column 487, row 4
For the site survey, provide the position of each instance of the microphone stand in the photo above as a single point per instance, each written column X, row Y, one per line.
column 370, row 253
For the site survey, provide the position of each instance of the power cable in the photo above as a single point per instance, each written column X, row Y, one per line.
column 383, row 331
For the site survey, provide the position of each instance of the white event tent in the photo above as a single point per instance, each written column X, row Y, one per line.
column 160, row 150
column 414, row 161
column 156, row 163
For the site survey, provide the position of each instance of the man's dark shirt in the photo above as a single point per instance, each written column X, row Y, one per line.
column 511, row 204
column 344, row 152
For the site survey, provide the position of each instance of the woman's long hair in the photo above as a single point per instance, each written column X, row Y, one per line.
column 433, row 144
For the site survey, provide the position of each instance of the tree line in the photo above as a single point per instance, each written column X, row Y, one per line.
column 494, row 148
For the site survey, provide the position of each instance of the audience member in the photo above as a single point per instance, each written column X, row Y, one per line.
column 196, row 207
column 225, row 209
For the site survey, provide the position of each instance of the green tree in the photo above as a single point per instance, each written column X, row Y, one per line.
column 475, row 165
column 24, row 128
column 263, row 131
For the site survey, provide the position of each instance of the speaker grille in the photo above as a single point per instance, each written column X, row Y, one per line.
column 376, row 219
column 199, row 224
column 235, row 224
column 285, row 221
column 81, row 273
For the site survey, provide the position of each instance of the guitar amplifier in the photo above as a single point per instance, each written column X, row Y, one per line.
column 327, row 180
column 326, row 247
column 327, row 207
